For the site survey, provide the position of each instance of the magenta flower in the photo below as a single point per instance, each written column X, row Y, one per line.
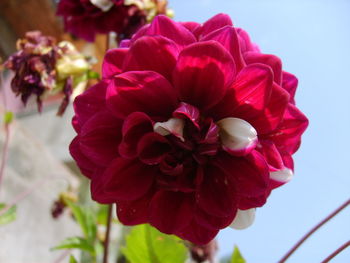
column 190, row 128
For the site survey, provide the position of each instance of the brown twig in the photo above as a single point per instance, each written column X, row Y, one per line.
column 340, row 249
column 313, row 230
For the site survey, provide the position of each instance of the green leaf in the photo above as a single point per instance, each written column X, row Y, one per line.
column 72, row 259
column 8, row 117
column 145, row 244
column 93, row 75
column 85, row 220
column 237, row 256
column 102, row 214
column 9, row 216
column 76, row 242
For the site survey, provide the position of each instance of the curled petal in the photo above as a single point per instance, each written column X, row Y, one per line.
column 173, row 126
column 237, row 136
column 243, row 219
column 290, row 84
column 203, row 73
column 282, row 176
column 189, row 112
column 216, row 22
column 113, row 62
column 145, row 50
column 135, row 126
column 143, row 91
column 152, row 148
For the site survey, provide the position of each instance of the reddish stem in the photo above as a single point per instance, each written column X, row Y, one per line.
column 313, row 230
column 340, row 249
column 106, row 241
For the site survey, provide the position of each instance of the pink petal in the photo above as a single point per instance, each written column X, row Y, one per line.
column 272, row 156
column 214, row 23
column 143, row 91
column 135, row 126
column 198, row 234
column 203, row 73
column 245, row 43
column 152, row 148
column 249, row 174
column 215, row 196
column 89, row 103
column 100, row 137
column 290, row 84
column 189, row 112
column 170, row 212
column 272, row 61
column 191, row 26
column 85, row 165
column 287, row 137
column 227, row 37
column 134, row 212
column 164, row 26
column 155, row 53
column 113, row 62
column 125, row 179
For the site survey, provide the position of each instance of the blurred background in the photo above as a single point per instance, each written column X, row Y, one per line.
column 312, row 38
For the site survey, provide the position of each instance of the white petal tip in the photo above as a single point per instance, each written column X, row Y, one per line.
column 173, row 126
column 104, row 5
column 283, row 176
column 243, row 219
column 237, row 136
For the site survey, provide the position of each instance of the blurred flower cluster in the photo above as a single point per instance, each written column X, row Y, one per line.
column 42, row 67
column 86, row 18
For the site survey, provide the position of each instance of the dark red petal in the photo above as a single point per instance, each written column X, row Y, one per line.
column 171, row 212
column 270, row 60
column 89, row 103
column 100, row 137
column 247, row 202
column 215, row 195
column 134, row 212
column 203, row 73
column 288, row 135
column 143, row 91
column 85, row 165
column 135, row 126
column 198, row 234
column 155, row 53
column 290, row 84
column 227, row 37
column 113, row 62
column 127, row 179
column 214, row 23
column 166, row 27
column 152, row 148
column 213, row 222
column 249, row 175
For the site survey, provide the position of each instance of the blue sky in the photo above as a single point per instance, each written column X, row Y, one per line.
column 313, row 40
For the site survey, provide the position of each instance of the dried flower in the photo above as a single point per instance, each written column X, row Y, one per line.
column 190, row 128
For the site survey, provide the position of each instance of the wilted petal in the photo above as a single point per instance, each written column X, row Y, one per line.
column 243, row 219
column 237, row 136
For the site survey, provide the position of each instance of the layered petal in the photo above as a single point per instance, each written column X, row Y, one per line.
column 100, row 137
column 203, row 73
column 290, row 84
column 171, row 212
column 113, row 62
column 216, row 22
column 143, row 91
column 198, row 234
column 143, row 52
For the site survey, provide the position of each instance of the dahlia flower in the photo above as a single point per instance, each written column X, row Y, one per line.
column 43, row 67
column 86, row 18
column 190, row 128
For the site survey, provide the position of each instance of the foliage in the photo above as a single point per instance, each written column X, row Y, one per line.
column 145, row 244
column 237, row 256
column 9, row 216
